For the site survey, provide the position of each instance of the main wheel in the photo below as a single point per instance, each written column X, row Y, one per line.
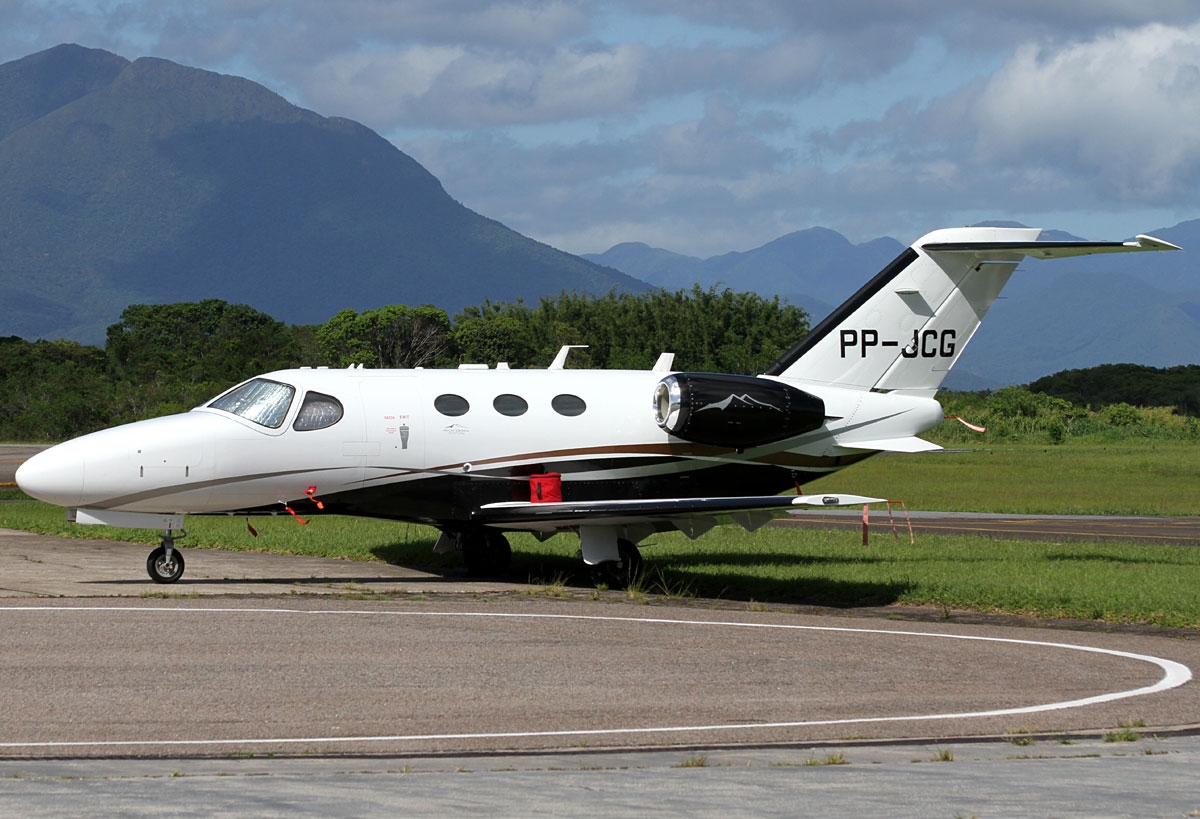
column 623, row 573
column 163, row 569
column 486, row 553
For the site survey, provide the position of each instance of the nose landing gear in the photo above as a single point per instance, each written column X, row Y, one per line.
column 165, row 564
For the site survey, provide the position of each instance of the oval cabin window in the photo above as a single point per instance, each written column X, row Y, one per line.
column 452, row 405
column 510, row 405
column 569, row 405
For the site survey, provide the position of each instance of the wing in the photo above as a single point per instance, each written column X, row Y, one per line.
column 692, row 516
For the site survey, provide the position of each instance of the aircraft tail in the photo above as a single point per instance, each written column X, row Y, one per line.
column 903, row 331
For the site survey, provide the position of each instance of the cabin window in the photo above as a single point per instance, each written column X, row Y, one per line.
column 317, row 412
column 569, row 405
column 262, row 401
column 451, row 404
column 510, row 405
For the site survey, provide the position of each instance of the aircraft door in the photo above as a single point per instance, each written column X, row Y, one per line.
column 394, row 420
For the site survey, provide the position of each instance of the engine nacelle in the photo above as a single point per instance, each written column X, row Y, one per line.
column 735, row 411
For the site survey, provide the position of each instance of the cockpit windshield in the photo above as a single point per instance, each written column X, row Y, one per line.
column 262, row 401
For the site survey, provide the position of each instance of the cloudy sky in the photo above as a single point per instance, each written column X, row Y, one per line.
column 705, row 126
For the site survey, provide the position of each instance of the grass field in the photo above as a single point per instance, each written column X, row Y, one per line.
column 1129, row 478
column 1128, row 583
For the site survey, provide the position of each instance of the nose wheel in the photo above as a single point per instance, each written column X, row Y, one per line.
column 165, row 564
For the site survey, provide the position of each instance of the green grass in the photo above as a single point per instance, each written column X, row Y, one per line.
column 1127, row 478
column 334, row 537
column 1111, row 582
column 1123, row 735
column 1118, row 583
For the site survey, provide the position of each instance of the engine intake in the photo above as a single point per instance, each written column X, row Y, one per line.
column 735, row 411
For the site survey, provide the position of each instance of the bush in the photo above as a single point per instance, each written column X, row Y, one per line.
column 1017, row 414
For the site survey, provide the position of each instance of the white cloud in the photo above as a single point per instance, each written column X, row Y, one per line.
column 1108, row 123
column 591, row 81
column 458, row 87
column 1124, row 107
column 369, row 85
column 722, row 144
column 1035, row 17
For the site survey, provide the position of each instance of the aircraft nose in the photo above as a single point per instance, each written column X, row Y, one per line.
column 54, row 475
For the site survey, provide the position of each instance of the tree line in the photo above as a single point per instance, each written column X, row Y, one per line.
column 160, row 359
column 1133, row 384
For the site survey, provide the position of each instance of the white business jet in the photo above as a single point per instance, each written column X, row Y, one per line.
column 612, row 455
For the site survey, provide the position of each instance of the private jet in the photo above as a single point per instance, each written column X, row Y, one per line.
column 612, row 456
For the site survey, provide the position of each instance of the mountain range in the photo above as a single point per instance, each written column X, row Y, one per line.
column 148, row 181
column 1141, row 308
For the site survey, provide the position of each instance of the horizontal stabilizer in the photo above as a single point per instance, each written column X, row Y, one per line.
column 912, row 444
column 1052, row 250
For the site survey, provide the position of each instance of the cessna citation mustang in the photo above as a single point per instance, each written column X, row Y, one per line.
column 612, row 455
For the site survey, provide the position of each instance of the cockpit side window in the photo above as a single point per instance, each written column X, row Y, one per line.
column 261, row 400
column 318, row 412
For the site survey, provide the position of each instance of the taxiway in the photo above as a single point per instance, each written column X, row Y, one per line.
column 269, row 685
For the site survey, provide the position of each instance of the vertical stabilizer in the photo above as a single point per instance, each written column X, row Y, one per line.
column 906, row 328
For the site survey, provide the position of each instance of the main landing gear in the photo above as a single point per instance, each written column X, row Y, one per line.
column 165, row 564
column 485, row 552
column 621, row 573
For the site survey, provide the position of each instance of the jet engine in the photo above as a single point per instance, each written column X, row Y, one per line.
column 735, row 411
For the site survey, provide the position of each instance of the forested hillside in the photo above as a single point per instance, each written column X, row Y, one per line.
column 1135, row 384
column 816, row 268
column 146, row 181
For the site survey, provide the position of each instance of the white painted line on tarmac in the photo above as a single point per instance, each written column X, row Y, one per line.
column 1174, row 675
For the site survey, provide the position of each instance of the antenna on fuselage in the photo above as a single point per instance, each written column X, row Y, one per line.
column 664, row 364
column 560, row 360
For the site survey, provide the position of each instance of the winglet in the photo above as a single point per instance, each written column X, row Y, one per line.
column 1144, row 242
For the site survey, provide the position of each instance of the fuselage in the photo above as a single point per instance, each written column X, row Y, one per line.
column 434, row 445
